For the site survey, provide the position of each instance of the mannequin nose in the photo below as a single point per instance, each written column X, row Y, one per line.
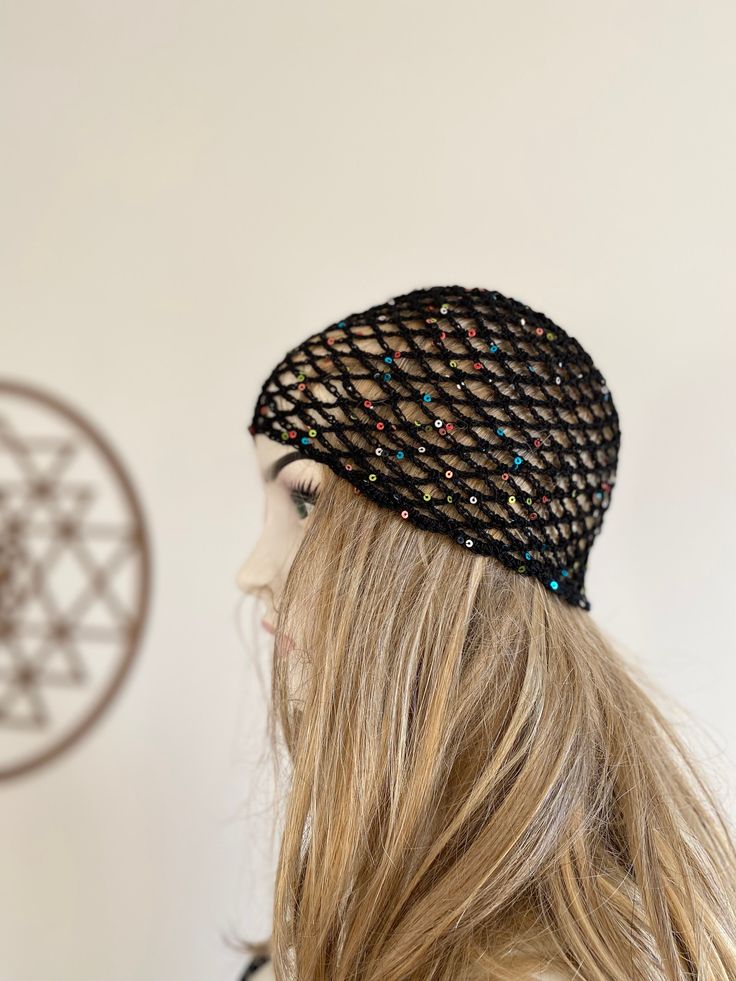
column 243, row 579
column 248, row 578
column 258, row 571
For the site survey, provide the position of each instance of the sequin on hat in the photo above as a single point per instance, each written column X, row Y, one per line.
column 494, row 425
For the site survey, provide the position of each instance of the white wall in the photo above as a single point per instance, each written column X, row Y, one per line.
column 187, row 190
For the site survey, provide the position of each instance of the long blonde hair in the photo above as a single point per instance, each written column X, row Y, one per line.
column 480, row 785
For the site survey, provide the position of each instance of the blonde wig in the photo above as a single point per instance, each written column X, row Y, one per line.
column 479, row 786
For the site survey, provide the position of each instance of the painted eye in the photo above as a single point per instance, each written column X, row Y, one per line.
column 304, row 499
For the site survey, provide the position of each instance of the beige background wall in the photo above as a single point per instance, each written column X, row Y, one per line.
column 190, row 188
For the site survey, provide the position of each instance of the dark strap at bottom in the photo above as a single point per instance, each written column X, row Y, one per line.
column 253, row 966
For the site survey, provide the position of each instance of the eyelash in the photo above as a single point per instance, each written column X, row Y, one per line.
column 302, row 495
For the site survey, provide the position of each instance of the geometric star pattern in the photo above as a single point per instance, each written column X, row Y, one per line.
column 74, row 576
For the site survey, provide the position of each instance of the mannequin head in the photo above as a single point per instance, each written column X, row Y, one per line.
column 480, row 783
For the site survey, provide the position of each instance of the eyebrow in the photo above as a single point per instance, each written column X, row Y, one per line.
column 281, row 463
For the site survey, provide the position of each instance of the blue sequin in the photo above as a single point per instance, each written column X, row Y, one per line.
column 427, row 397
column 306, row 439
column 554, row 584
column 400, row 455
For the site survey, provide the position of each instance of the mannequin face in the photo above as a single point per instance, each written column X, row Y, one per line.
column 289, row 483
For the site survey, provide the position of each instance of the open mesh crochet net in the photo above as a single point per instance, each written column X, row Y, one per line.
column 468, row 414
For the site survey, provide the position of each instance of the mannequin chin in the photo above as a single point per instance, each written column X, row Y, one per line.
column 286, row 514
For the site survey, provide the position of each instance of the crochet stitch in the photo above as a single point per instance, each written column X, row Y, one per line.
column 468, row 414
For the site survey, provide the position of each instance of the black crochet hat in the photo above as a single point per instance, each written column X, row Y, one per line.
column 466, row 412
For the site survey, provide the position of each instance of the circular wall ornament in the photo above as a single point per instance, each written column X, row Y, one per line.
column 75, row 575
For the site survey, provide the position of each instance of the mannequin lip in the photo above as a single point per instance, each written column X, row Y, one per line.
column 267, row 626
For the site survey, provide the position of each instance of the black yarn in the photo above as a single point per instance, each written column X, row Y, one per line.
column 464, row 381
